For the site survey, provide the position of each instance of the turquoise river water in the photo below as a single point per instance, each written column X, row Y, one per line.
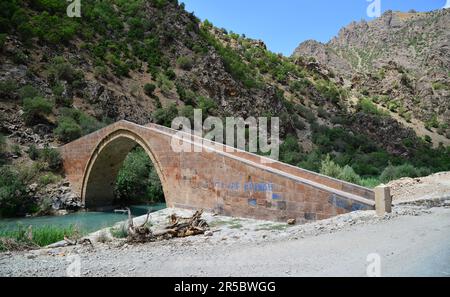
column 85, row 221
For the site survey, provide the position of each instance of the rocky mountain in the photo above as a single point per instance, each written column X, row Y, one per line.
column 150, row 61
column 400, row 60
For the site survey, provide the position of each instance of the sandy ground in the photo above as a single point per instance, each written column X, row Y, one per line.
column 410, row 189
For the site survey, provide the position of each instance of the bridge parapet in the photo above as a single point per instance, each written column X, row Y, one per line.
column 274, row 164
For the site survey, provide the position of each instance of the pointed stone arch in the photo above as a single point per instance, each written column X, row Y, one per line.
column 104, row 165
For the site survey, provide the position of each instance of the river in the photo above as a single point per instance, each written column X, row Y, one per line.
column 85, row 221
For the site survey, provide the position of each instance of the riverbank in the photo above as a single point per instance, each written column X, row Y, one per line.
column 413, row 240
column 46, row 230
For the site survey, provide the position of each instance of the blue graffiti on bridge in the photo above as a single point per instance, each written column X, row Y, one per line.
column 246, row 187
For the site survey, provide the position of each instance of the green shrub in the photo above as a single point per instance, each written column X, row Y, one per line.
column 370, row 182
column 406, row 170
column 68, row 129
column 48, row 178
column 338, row 120
column 14, row 199
column 298, row 123
column 89, row 124
column 299, row 85
column 8, row 88
column 330, row 168
column 393, row 106
column 187, row 96
column 33, row 152
column 349, row 175
column 367, row 106
column 58, row 90
column 100, row 71
column 16, row 150
column 312, row 161
column 433, row 122
column 290, row 150
column 408, row 116
column 207, row 105
column 165, row 116
column 322, row 113
column 185, row 63
column 305, row 113
column 47, row 155
column 28, row 91
column 73, row 123
column 440, row 86
column 170, row 74
column 328, row 90
column 164, row 83
column 36, row 109
column 62, row 70
column 52, row 28
column 159, row 3
column 149, row 89
column 52, row 157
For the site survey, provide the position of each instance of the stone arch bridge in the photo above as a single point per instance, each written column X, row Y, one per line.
column 229, row 183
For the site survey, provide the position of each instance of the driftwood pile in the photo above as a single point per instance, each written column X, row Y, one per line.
column 178, row 227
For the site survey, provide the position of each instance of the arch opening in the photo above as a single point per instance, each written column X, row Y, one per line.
column 105, row 170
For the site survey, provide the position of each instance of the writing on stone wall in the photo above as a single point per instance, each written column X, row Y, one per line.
column 249, row 187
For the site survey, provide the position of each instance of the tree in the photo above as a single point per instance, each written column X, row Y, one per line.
column 138, row 180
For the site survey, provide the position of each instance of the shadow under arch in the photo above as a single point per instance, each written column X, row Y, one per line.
column 104, row 164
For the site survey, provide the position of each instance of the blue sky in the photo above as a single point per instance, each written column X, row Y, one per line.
column 283, row 24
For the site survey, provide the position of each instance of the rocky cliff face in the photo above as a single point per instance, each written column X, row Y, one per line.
column 404, row 56
column 415, row 41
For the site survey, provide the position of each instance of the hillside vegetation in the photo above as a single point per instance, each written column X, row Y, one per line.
column 62, row 78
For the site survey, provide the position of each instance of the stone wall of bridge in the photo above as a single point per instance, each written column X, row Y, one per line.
column 229, row 183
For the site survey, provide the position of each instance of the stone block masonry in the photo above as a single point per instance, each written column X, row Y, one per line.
column 230, row 183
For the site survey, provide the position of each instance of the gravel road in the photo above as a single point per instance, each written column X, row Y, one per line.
column 413, row 241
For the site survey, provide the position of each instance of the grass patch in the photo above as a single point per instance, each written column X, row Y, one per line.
column 219, row 223
column 232, row 224
column 236, row 226
column 26, row 238
column 272, row 227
